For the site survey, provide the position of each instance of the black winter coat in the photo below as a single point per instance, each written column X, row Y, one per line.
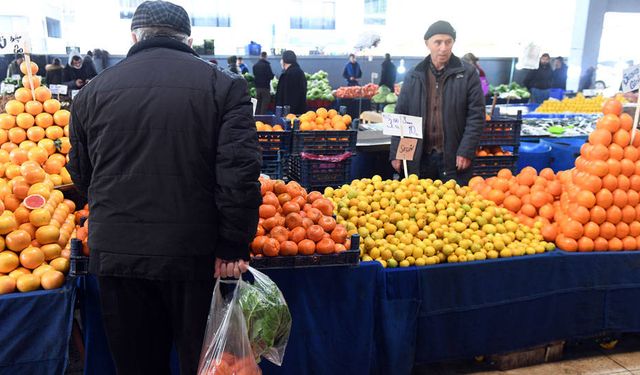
column 463, row 111
column 71, row 74
column 165, row 146
column 541, row 78
column 263, row 74
column 560, row 78
column 388, row 74
column 292, row 89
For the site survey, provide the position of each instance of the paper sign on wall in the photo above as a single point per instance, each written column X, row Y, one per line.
column 11, row 43
column 58, row 89
column 411, row 125
column 631, row 78
column 406, row 148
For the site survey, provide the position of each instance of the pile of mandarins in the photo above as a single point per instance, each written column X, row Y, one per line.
column 293, row 222
column 592, row 207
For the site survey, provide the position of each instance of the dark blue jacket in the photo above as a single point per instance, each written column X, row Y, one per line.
column 352, row 70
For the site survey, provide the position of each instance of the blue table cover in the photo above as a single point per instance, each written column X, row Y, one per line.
column 370, row 320
column 35, row 328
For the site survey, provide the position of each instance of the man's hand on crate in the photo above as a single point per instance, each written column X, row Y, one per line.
column 462, row 163
column 396, row 164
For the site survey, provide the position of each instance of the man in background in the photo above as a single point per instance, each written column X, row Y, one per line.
column 446, row 94
column 352, row 72
column 388, row 73
column 263, row 76
column 170, row 163
column 540, row 80
column 292, row 85
column 242, row 66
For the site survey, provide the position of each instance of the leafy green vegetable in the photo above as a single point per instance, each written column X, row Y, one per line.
column 389, row 108
column 267, row 317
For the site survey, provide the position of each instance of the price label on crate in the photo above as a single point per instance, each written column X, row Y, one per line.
column 58, row 89
column 631, row 78
column 406, row 148
column 402, row 125
column 7, row 88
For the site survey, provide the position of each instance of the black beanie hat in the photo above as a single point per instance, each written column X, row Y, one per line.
column 289, row 57
column 440, row 27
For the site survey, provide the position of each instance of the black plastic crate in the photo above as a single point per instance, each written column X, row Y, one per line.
column 489, row 166
column 274, row 142
column 318, row 174
column 275, row 166
column 346, row 258
column 326, row 142
column 501, row 131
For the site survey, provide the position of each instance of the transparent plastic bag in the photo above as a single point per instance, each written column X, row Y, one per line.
column 267, row 317
column 226, row 349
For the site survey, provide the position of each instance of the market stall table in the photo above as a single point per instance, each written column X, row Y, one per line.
column 35, row 330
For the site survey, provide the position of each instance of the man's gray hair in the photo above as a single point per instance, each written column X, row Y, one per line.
column 144, row 33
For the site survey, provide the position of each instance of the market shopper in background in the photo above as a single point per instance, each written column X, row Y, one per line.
column 14, row 66
column 587, row 79
column 232, row 66
column 352, row 72
column 263, row 76
column 539, row 81
column 54, row 72
column 292, row 85
column 242, row 66
column 388, row 73
column 446, row 93
column 89, row 65
column 75, row 75
column 559, row 74
column 170, row 163
column 471, row 59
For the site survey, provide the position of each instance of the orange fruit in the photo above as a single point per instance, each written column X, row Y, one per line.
column 33, row 107
column 629, row 244
column 7, row 121
column 51, row 251
column 628, row 214
column 600, row 244
column 610, row 182
column 586, row 199
column 604, row 198
column 35, row 133
column 31, row 257
column 573, row 229
column 51, row 106
column 54, row 132
column 65, row 146
column 38, row 155
column 591, row 230
column 22, row 215
column 622, row 138
column 9, row 261
column 35, row 175
column 44, row 120
column 627, row 167
column 49, row 145
column 585, row 244
column 28, row 283
column 512, row 203
column 626, row 121
column 614, row 214
column 566, row 244
column 27, row 145
column 619, row 198
column 61, row 117
column 27, row 83
column 17, row 135
column 614, row 167
column 634, row 229
column 52, row 279
column 607, row 230
column 18, row 156
column 609, row 122
column 612, row 106
column 52, row 166
column 18, row 240
column 42, row 94
column 33, row 66
column 40, row 217
column 23, row 95
column 14, row 107
column 601, row 137
column 47, row 234
column 623, row 182
column 616, row 151
column 622, row 229
column 497, row 196
column 615, row 244
column 631, row 153
column 60, row 264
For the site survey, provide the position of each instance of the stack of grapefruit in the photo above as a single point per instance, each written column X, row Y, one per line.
column 592, row 207
column 293, row 222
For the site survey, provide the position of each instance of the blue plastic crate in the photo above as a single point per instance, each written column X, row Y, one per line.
column 275, row 166
column 318, row 174
column 501, row 131
column 274, row 143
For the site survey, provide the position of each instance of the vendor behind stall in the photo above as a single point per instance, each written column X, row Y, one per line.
column 76, row 74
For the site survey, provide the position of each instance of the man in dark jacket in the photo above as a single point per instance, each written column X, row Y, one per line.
column 165, row 146
column 292, row 85
column 352, row 72
column 263, row 76
column 446, row 93
column 539, row 81
column 75, row 75
column 54, row 72
column 388, row 74
column 559, row 74
column 242, row 67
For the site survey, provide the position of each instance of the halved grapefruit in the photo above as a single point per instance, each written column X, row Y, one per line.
column 34, row 201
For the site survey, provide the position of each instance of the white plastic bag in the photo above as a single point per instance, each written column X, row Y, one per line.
column 226, row 349
column 267, row 317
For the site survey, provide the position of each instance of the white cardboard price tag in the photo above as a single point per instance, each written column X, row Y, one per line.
column 58, row 89
column 411, row 125
column 12, row 43
column 7, row 88
column 74, row 93
column 631, row 78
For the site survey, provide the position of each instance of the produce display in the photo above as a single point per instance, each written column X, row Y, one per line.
column 384, row 95
column 579, row 104
column 492, row 151
column 318, row 87
column 573, row 126
column 350, row 92
column 37, row 222
column 323, row 119
column 251, row 84
column 293, row 222
column 261, row 126
column 592, row 207
column 423, row 222
column 510, row 91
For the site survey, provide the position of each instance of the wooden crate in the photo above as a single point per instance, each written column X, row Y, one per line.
column 528, row 357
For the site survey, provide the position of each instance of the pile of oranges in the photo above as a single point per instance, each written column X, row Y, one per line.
column 492, row 151
column 592, row 207
column 293, row 222
column 323, row 119
column 262, row 127
column 36, row 223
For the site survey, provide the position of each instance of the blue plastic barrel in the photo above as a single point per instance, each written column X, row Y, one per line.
column 564, row 151
column 534, row 154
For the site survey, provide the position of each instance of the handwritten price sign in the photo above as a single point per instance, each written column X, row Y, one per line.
column 402, row 125
column 11, row 43
column 631, row 79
